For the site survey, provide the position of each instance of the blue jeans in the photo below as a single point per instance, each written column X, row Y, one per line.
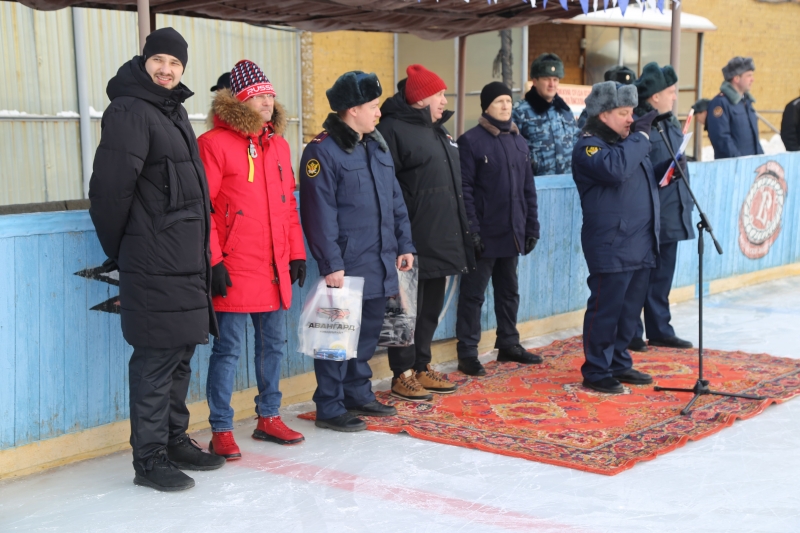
column 270, row 336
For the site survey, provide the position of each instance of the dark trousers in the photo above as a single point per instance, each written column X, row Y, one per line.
column 610, row 322
column 430, row 299
column 343, row 385
column 159, row 381
column 503, row 273
column 656, row 304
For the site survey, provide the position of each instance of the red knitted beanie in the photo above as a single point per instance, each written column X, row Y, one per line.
column 248, row 80
column 422, row 83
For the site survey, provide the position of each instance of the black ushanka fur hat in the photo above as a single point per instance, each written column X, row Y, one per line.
column 622, row 75
column 655, row 79
column 353, row 89
column 547, row 65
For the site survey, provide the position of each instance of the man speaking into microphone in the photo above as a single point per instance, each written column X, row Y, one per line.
column 617, row 186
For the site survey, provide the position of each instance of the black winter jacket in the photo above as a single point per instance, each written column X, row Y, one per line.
column 427, row 166
column 150, row 207
column 790, row 126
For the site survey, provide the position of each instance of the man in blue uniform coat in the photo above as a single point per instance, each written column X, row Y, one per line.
column 615, row 180
column 658, row 90
column 732, row 123
column 356, row 223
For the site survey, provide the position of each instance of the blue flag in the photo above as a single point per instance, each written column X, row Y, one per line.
column 564, row 4
column 585, row 6
column 623, row 5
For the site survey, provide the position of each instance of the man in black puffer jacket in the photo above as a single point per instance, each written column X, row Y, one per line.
column 150, row 207
column 427, row 166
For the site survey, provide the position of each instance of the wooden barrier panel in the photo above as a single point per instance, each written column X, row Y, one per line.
column 63, row 366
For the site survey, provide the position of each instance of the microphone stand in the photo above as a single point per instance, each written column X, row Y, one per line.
column 701, row 385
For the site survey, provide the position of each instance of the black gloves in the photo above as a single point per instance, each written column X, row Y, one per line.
column 477, row 243
column 297, row 271
column 220, row 280
column 109, row 265
column 644, row 123
column 530, row 244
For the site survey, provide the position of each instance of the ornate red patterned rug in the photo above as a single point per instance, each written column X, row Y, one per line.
column 543, row 412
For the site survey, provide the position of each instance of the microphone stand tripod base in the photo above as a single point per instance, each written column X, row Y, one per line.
column 700, row 389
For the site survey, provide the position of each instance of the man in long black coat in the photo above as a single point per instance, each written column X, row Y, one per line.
column 790, row 126
column 427, row 167
column 619, row 236
column 150, row 207
column 658, row 90
column 501, row 204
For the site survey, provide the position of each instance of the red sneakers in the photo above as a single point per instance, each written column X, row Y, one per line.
column 223, row 444
column 274, row 430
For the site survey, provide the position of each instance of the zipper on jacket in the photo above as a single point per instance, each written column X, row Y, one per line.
column 280, row 172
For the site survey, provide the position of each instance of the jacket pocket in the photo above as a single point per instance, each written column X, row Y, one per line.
column 173, row 186
column 179, row 243
column 613, row 238
column 355, row 177
column 244, row 247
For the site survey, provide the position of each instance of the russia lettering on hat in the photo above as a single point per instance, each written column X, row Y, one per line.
column 248, row 80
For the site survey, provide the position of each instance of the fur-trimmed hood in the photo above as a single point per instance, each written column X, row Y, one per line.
column 226, row 108
column 346, row 137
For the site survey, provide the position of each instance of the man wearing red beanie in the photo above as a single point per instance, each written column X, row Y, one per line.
column 429, row 172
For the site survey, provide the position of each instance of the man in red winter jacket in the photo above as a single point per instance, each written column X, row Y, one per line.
column 257, row 249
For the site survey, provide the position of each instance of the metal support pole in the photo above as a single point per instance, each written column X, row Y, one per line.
column 675, row 44
column 79, row 41
column 620, row 54
column 698, row 128
column 299, row 48
column 396, row 51
column 143, row 11
column 460, row 82
column 525, row 66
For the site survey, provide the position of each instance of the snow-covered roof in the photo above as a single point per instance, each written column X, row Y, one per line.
column 635, row 17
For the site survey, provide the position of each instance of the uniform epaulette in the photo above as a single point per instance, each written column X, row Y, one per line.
column 319, row 138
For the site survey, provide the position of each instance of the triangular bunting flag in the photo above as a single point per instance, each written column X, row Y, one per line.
column 584, row 6
column 623, row 5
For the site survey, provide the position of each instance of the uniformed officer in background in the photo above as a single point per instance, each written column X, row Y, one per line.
column 615, row 180
column 545, row 120
column 356, row 223
column 732, row 123
column 619, row 74
column 658, row 90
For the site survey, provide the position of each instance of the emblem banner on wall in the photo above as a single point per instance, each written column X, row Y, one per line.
column 760, row 217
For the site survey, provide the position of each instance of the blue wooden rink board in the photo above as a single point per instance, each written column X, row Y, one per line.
column 63, row 367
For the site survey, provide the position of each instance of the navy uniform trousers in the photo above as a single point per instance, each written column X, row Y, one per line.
column 503, row 273
column 612, row 313
column 656, row 305
column 343, row 385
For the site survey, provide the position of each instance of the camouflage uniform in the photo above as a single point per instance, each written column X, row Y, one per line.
column 550, row 134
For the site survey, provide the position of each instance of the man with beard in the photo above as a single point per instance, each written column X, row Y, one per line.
column 150, row 207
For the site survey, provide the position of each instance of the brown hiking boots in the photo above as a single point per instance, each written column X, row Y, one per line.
column 406, row 387
column 434, row 381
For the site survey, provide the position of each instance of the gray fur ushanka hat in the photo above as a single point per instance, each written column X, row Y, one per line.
column 737, row 66
column 353, row 89
column 547, row 65
column 608, row 95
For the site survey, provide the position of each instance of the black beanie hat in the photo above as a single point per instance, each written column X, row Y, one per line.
column 492, row 91
column 166, row 41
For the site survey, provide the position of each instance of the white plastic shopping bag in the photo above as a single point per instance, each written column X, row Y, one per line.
column 400, row 317
column 331, row 320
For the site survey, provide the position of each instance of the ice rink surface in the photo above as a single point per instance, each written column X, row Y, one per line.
column 744, row 479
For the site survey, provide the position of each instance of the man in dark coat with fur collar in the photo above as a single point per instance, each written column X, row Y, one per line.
column 732, row 122
column 150, row 207
column 500, row 198
column 619, row 237
column 356, row 224
column 658, row 90
column 545, row 119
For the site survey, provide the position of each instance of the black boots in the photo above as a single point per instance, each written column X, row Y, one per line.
column 187, row 455
column 517, row 354
column 471, row 367
column 346, row 422
column 373, row 408
column 162, row 474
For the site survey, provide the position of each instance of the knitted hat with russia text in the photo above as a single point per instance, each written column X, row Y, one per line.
column 247, row 80
column 422, row 83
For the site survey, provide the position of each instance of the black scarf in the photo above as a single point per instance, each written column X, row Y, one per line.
column 540, row 105
column 598, row 128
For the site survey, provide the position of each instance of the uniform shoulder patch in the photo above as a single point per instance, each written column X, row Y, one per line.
column 312, row 168
column 591, row 150
column 319, row 138
column 718, row 111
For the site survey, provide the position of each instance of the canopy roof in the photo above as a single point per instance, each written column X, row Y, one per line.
column 429, row 19
column 650, row 19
